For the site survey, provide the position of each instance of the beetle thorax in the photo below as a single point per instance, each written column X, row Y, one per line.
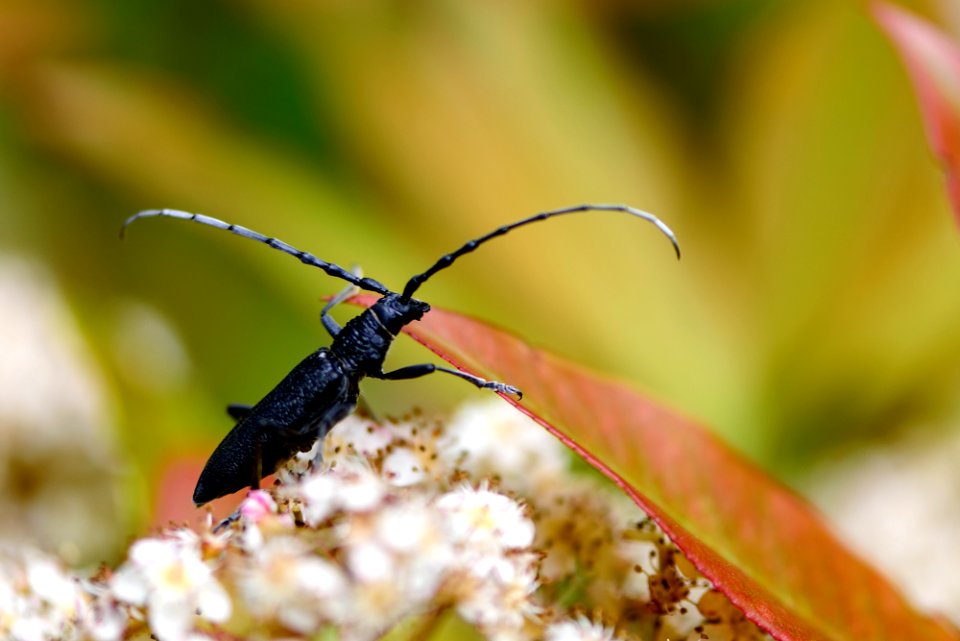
column 363, row 342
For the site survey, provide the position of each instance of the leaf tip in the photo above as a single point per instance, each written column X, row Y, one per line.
column 932, row 60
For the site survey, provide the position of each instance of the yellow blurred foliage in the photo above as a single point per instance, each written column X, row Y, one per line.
column 815, row 304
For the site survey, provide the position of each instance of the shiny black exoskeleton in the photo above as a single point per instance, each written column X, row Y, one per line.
column 324, row 387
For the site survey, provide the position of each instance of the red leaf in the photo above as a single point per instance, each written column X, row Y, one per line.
column 933, row 62
column 759, row 543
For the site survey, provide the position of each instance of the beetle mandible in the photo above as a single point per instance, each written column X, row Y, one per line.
column 324, row 387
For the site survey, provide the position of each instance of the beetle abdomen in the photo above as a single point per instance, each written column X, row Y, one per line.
column 303, row 407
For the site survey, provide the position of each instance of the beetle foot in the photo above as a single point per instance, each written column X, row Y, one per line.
column 227, row 522
column 503, row 388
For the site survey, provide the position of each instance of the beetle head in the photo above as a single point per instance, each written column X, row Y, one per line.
column 396, row 311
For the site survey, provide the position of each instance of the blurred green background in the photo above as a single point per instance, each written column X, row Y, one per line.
column 815, row 309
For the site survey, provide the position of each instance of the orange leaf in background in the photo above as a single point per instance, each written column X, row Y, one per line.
column 933, row 61
column 760, row 544
column 173, row 503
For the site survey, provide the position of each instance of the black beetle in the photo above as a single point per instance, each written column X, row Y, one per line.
column 324, row 387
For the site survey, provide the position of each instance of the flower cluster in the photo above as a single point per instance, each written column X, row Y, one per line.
column 38, row 599
column 407, row 523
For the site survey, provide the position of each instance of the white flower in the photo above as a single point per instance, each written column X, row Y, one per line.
column 7, row 600
column 498, row 594
column 360, row 490
column 580, row 629
column 411, row 531
column 39, row 601
column 399, row 554
column 409, row 528
column 495, row 439
column 484, row 519
column 168, row 577
column 496, row 581
column 286, row 582
column 103, row 619
column 318, row 494
column 355, row 436
column 396, row 558
column 404, row 467
column 51, row 584
column 642, row 555
column 369, row 562
column 31, row 628
column 322, row 494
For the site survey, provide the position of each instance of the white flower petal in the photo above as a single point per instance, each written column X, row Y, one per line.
column 50, row 583
column 370, row 563
column 321, row 579
column 354, row 435
column 581, row 629
column 107, row 624
column 361, row 492
column 483, row 518
column 319, row 496
column 31, row 628
column 169, row 619
column 149, row 552
column 298, row 617
column 403, row 468
column 129, row 585
column 213, row 603
column 494, row 439
column 407, row 528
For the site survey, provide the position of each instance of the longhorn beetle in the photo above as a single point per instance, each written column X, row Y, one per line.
column 324, row 387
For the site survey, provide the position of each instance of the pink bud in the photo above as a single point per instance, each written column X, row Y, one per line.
column 257, row 506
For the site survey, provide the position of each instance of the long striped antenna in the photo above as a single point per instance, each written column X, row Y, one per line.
column 306, row 258
column 445, row 261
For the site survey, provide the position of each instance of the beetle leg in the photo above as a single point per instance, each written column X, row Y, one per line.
column 416, row 371
column 225, row 523
column 258, row 468
column 332, row 327
column 239, row 411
